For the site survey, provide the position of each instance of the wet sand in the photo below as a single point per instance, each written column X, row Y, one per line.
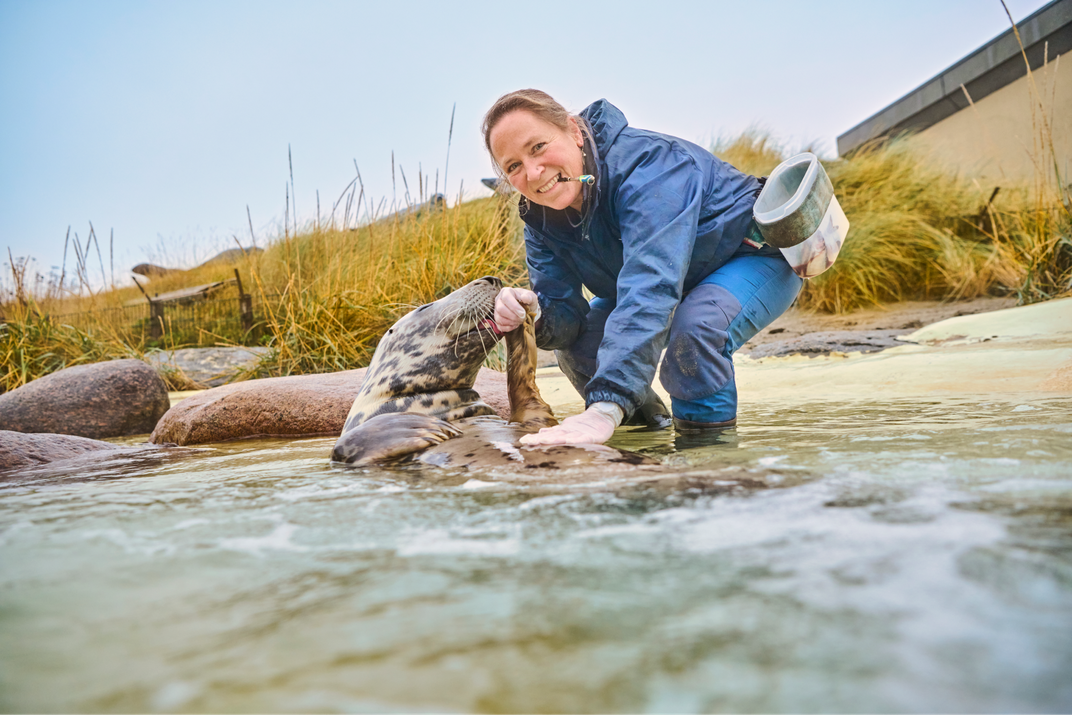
column 907, row 316
column 1007, row 352
column 804, row 332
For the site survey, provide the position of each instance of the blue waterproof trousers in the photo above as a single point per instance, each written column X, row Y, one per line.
column 712, row 321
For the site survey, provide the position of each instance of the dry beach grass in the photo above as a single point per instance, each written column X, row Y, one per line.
column 329, row 289
column 328, row 292
column 341, row 289
column 921, row 232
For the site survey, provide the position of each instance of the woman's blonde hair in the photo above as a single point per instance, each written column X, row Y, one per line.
column 531, row 100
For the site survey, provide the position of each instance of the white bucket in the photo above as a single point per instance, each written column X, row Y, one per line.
column 798, row 213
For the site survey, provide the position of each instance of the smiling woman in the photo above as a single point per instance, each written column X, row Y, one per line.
column 536, row 155
column 663, row 237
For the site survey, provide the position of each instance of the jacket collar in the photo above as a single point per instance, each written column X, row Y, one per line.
column 591, row 166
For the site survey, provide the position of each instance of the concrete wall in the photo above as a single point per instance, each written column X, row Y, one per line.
column 998, row 141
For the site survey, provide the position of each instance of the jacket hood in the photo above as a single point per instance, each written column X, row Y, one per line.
column 606, row 121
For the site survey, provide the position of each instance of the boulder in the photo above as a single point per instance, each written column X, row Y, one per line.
column 150, row 270
column 231, row 255
column 24, row 450
column 300, row 405
column 105, row 399
column 492, row 388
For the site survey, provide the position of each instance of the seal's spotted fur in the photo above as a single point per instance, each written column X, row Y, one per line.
column 428, row 361
column 418, row 401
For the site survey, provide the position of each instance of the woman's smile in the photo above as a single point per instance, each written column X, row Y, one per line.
column 549, row 185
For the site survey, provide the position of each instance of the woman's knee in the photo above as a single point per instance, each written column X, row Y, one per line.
column 697, row 360
column 764, row 286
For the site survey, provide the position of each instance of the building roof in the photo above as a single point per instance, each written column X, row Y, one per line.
column 1046, row 34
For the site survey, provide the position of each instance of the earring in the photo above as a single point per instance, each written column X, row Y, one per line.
column 523, row 206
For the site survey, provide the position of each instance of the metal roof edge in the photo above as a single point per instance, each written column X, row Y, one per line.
column 981, row 72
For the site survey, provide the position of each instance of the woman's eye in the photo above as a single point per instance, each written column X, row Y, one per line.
column 539, row 145
column 513, row 167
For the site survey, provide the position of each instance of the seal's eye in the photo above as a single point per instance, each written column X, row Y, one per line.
column 428, row 305
column 390, row 330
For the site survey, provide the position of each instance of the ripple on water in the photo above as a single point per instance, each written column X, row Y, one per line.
column 896, row 556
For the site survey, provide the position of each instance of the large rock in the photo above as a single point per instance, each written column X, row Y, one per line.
column 150, row 270
column 105, row 399
column 24, row 450
column 231, row 255
column 302, row 405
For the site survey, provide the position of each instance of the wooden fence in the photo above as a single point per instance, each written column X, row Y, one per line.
column 223, row 315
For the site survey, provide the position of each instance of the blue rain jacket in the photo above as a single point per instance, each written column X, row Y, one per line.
column 663, row 214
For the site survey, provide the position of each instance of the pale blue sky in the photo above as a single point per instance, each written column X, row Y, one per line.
column 163, row 120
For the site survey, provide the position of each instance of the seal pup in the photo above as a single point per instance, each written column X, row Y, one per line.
column 417, row 400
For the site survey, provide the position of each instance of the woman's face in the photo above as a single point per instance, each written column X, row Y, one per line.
column 535, row 154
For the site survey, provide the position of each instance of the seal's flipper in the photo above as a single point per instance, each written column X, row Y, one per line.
column 390, row 437
column 527, row 408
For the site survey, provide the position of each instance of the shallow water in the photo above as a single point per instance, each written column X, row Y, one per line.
column 895, row 556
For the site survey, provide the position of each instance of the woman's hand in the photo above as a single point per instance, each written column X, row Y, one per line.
column 593, row 426
column 510, row 307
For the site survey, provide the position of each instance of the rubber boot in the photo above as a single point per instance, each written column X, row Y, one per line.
column 689, row 426
column 652, row 414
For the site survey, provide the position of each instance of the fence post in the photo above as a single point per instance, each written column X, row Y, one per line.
column 156, row 315
column 245, row 305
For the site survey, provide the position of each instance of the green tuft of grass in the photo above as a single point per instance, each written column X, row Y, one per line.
column 32, row 345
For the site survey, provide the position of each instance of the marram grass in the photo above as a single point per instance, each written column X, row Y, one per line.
column 33, row 345
column 326, row 295
column 921, row 232
column 340, row 290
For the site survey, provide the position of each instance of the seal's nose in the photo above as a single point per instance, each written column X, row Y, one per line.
column 492, row 280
